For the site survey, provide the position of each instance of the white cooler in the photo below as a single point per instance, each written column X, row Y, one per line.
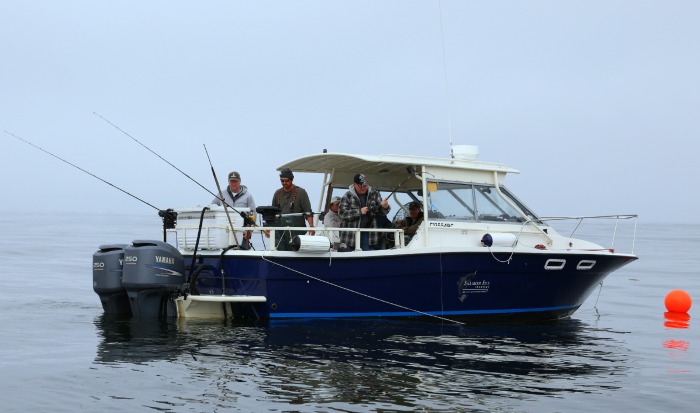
column 216, row 231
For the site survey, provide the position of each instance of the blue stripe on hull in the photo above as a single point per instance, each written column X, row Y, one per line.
column 414, row 314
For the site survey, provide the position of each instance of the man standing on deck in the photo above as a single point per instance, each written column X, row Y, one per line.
column 291, row 199
column 237, row 196
column 332, row 220
column 359, row 208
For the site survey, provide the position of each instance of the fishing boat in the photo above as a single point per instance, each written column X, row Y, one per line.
column 479, row 254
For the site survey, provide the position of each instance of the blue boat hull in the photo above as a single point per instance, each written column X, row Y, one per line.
column 456, row 286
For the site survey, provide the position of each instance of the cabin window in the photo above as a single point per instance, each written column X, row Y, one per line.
column 490, row 206
column 472, row 202
column 451, row 201
column 530, row 215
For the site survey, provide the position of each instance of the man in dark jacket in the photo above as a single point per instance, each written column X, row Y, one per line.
column 411, row 223
column 359, row 208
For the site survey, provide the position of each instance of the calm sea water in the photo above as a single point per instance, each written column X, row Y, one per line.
column 59, row 353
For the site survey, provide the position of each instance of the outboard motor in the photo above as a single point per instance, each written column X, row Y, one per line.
column 153, row 271
column 107, row 267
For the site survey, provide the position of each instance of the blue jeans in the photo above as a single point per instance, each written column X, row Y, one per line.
column 364, row 241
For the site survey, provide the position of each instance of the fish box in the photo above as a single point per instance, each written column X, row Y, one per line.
column 216, row 231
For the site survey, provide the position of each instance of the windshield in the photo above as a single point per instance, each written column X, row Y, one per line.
column 473, row 202
column 458, row 201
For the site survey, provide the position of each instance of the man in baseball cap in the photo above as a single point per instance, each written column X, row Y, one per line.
column 361, row 207
column 237, row 196
column 411, row 223
column 332, row 220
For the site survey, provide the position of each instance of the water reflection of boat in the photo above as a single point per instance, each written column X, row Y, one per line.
column 137, row 341
column 395, row 362
column 480, row 253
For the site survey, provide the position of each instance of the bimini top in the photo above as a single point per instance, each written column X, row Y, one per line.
column 386, row 171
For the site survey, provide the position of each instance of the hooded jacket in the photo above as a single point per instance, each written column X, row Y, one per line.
column 243, row 200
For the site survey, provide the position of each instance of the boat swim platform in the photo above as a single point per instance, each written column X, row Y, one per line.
column 211, row 306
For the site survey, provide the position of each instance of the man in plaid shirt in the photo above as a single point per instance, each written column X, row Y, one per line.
column 359, row 208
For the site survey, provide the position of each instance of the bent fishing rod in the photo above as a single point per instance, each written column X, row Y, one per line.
column 152, row 151
column 223, row 200
column 81, row 169
column 411, row 173
column 168, row 215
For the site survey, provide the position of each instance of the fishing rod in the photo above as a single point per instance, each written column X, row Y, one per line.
column 168, row 215
column 411, row 174
column 153, row 152
column 246, row 219
column 221, row 195
column 83, row 170
column 374, row 208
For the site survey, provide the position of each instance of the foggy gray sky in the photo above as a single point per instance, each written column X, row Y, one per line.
column 597, row 103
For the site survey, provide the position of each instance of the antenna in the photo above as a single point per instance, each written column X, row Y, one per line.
column 444, row 66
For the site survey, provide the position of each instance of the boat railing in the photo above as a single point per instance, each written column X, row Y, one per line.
column 618, row 219
column 216, row 232
column 327, row 232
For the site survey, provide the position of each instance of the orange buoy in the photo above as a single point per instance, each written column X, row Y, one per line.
column 678, row 301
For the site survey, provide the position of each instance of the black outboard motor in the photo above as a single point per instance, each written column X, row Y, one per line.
column 153, row 272
column 107, row 267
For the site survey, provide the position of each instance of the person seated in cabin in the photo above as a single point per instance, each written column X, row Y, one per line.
column 361, row 207
column 291, row 199
column 237, row 196
column 411, row 223
column 331, row 219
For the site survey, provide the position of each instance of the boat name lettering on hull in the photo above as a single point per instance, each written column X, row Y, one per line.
column 467, row 285
column 442, row 224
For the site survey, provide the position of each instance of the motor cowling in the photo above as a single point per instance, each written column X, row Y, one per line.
column 153, row 272
column 107, row 269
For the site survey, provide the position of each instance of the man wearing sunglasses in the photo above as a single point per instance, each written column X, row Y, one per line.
column 291, row 199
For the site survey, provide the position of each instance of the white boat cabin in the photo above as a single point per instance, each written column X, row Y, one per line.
column 463, row 200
